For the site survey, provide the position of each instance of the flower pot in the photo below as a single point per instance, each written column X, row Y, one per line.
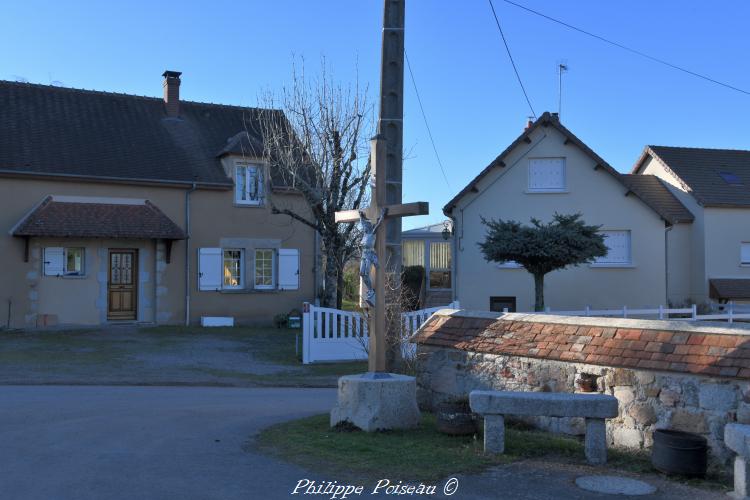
column 456, row 418
column 586, row 383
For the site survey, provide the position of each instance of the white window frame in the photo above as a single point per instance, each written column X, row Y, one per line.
column 562, row 189
column 246, row 166
column 66, row 272
column 745, row 260
column 273, row 269
column 241, row 283
column 605, row 262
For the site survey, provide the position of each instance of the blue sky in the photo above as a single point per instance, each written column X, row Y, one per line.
column 229, row 52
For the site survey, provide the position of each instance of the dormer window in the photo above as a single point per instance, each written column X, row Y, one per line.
column 248, row 184
column 547, row 175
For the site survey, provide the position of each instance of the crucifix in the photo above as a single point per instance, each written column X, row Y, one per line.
column 386, row 259
column 381, row 221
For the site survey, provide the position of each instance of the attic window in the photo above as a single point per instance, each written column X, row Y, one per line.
column 731, row 178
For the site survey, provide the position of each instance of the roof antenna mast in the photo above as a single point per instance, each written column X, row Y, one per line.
column 562, row 67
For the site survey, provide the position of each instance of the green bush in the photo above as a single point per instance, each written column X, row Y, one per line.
column 412, row 280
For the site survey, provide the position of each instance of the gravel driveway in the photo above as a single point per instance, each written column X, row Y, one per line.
column 128, row 355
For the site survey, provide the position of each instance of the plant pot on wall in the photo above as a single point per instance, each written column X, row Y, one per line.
column 586, row 382
column 456, row 418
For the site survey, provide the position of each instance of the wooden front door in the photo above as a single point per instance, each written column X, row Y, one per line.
column 122, row 288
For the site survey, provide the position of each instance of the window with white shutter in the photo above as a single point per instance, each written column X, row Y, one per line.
column 209, row 268
column 618, row 248
column 547, row 175
column 745, row 253
column 288, row 269
column 54, row 261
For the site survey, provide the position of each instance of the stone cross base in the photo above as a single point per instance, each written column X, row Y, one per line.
column 375, row 402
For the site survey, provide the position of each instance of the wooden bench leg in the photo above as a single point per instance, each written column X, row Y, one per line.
column 494, row 434
column 596, row 441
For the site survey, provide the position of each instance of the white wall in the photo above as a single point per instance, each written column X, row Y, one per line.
column 595, row 193
column 692, row 254
column 725, row 229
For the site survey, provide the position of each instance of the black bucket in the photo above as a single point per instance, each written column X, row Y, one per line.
column 455, row 419
column 677, row 452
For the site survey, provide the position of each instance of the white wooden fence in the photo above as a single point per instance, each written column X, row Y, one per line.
column 336, row 335
column 733, row 312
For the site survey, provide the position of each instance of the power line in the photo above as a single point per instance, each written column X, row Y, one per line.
column 424, row 116
column 629, row 49
column 512, row 62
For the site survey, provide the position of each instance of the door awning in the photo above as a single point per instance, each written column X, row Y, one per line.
column 90, row 217
column 729, row 289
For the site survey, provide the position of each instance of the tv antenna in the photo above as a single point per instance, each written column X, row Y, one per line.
column 562, row 67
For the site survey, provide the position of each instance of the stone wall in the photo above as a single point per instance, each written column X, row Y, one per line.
column 649, row 399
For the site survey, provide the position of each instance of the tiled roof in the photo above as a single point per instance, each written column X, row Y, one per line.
column 689, row 351
column 55, row 131
column 729, row 289
column 66, row 219
column 655, row 194
column 702, row 170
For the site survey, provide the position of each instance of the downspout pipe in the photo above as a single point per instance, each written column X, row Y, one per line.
column 667, row 229
column 187, row 252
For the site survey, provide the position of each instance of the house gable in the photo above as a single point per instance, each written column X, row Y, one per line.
column 548, row 125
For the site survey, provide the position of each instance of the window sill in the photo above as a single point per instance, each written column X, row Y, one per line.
column 68, row 277
column 509, row 267
column 745, row 264
column 249, row 205
column 613, row 266
column 240, row 291
column 546, row 191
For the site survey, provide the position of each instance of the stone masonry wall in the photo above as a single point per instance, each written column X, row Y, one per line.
column 648, row 399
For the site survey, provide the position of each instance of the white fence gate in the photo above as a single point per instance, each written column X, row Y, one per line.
column 336, row 335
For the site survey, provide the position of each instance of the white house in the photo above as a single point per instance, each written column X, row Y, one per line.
column 710, row 258
column 545, row 170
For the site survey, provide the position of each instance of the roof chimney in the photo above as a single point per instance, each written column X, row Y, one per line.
column 172, row 92
column 529, row 123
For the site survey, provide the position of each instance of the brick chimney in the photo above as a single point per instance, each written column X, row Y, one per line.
column 172, row 92
column 529, row 123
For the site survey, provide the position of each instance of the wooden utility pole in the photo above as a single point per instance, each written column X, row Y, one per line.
column 387, row 169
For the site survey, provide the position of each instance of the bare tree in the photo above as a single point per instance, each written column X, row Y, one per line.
column 316, row 139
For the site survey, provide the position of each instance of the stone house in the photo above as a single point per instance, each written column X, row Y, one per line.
column 548, row 169
column 157, row 210
column 708, row 259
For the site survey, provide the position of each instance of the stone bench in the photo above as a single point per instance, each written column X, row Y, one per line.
column 737, row 439
column 594, row 408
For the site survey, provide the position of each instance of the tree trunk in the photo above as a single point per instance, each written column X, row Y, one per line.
column 539, row 292
column 330, row 280
column 340, row 288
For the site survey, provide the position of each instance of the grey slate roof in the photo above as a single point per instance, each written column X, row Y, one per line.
column 700, row 169
column 81, row 133
column 655, row 194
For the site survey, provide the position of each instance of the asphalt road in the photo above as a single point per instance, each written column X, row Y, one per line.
column 193, row 443
column 140, row 443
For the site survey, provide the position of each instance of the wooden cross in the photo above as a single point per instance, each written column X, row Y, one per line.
column 376, row 323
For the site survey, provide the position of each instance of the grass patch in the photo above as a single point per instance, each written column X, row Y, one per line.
column 422, row 454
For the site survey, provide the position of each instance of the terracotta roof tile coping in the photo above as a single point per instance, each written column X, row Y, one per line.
column 676, row 346
column 641, row 324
